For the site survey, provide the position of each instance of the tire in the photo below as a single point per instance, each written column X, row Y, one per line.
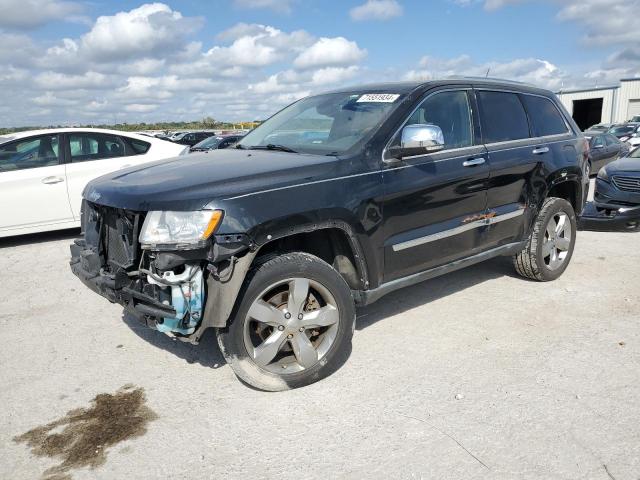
column 546, row 257
column 272, row 333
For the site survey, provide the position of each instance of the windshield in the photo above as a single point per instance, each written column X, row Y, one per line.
column 211, row 142
column 329, row 124
column 622, row 129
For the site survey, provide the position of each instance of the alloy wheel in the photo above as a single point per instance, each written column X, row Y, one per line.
column 557, row 241
column 291, row 326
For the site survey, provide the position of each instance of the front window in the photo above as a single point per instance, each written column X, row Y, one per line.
column 621, row 130
column 32, row 152
column 211, row 142
column 330, row 124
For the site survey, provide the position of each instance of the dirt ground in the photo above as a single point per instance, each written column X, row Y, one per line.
column 477, row 374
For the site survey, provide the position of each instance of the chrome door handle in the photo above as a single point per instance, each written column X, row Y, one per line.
column 539, row 150
column 52, row 180
column 473, row 162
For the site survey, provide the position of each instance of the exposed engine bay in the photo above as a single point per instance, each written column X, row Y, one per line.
column 165, row 289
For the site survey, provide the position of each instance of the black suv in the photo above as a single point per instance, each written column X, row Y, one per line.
column 333, row 202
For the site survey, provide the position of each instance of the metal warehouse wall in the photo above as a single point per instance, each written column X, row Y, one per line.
column 629, row 91
column 608, row 96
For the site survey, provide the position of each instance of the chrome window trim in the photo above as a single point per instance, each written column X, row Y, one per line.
column 420, row 102
column 456, row 231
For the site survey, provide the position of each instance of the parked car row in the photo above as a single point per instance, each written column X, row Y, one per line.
column 43, row 172
column 617, row 195
column 626, row 132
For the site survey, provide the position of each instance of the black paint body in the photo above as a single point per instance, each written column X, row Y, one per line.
column 265, row 194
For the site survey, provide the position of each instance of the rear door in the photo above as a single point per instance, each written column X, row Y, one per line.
column 33, row 190
column 524, row 135
column 90, row 155
column 433, row 203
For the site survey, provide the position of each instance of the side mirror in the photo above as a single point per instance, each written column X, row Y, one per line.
column 417, row 139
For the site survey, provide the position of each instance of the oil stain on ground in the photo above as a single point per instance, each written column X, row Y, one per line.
column 81, row 438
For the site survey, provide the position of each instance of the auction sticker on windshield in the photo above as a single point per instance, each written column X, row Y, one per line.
column 378, row 97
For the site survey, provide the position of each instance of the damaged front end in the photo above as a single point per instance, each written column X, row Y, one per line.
column 166, row 268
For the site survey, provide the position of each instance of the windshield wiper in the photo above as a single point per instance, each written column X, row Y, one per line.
column 272, row 146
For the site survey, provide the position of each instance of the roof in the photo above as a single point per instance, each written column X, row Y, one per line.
column 408, row 87
column 48, row 131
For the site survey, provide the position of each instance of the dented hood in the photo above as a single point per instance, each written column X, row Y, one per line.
column 192, row 181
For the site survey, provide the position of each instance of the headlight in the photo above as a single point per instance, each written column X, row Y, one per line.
column 179, row 229
column 602, row 174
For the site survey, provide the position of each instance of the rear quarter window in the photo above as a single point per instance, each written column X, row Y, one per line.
column 544, row 116
column 139, row 147
column 502, row 117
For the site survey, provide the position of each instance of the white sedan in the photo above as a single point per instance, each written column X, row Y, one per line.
column 43, row 172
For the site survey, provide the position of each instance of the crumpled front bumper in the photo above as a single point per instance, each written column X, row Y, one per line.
column 119, row 288
column 605, row 217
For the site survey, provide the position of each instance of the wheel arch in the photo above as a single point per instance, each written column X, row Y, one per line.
column 335, row 242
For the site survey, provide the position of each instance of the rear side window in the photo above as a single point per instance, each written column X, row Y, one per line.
column 545, row 117
column 32, row 152
column 597, row 141
column 611, row 140
column 503, row 117
column 138, row 146
column 95, row 146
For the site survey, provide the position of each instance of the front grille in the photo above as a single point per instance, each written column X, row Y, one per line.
column 113, row 233
column 627, row 184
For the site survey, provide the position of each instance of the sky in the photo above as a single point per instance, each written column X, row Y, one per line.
column 90, row 62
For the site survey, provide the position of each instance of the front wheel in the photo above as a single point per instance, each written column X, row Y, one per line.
column 551, row 244
column 293, row 325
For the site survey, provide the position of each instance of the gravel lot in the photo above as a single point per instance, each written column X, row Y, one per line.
column 478, row 374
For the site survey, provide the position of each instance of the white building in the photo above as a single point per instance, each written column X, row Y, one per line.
column 614, row 104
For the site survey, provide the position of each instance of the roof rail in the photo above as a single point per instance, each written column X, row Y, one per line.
column 491, row 79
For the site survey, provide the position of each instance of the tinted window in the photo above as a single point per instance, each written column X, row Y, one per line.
column 450, row 111
column 545, row 117
column 95, row 146
column 139, row 146
column 503, row 117
column 597, row 141
column 611, row 140
column 30, row 152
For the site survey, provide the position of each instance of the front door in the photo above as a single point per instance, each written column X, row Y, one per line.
column 33, row 188
column 434, row 204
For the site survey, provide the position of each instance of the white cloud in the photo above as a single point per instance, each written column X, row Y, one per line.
column 149, row 30
column 530, row 70
column 282, row 6
column 607, row 22
column 140, row 107
column 330, row 52
column 334, row 75
column 33, row 13
column 376, row 10
column 61, row 81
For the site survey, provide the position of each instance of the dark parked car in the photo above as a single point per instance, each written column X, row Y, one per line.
column 274, row 244
column 625, row 131
column 603, row 148
column 216, row 142
column 617, row 195
column 191, row 138
column 599, row 127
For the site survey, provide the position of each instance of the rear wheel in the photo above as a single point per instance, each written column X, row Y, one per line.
column 293, row 326
column 551, row 244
